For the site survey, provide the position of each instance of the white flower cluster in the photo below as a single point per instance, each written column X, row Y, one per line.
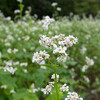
column 53, row 77
column 58, row 9
column 33, row 89
column 12, row 91
column 64, row 88
column 3, row 86
column 39, row 57
column 86, row 79
column 17, row 11
column 46, row 22
column 89, row 62
column 10, row 69
column 47, row 89
column 59, row 44
column 12, row 51
column 54, row 4
column 83, row 49
column 73, row 96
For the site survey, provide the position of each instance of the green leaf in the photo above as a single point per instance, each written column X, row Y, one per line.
column 54, row 97
column 22, row 94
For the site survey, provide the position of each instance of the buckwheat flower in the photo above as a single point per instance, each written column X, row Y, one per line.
column 7, row 44
column 16, row 63
column 47, row 89
column 9, row 50
column 46, row 22
column 88, row 36
column 84, row 68
column 25, row 70
column 58, row 9
column 59, row 50
column 44, row 54
column 3, row 86
column 8, row 18
column 73, row 96
column 36, row 58
column 33, row 89
column 12, row 91
column 62, row 58
column 89, row 61
column 23, row 64
column 9, row 63
column 17, row 11
column 54, row 4
column 53, row 77
column 10, row 69
column 70, row 40
column 46, row 41
column 24, row 49
column 83, row 49
column 86, row 79
column 64, row 88
column 95, row 57
column 15, row 50
column 43, row 67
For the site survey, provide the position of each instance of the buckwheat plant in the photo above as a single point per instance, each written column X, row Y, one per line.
column 57, row 46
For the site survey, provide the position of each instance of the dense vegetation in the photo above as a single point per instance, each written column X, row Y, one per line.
column 43, row 7
column 20, row 39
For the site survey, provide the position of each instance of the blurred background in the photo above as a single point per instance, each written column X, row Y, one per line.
column 43, row 7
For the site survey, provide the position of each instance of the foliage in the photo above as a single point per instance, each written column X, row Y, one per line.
column 24, row 35
column 43, row 7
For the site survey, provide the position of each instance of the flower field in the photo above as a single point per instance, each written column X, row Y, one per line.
column 49, row 59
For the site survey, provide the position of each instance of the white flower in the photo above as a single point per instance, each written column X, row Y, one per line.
column 15, row 50
column 86, row 79
column 73, row 96
column 36, row 57
column 46, row 41
column 58, row 9
column 10, row 69
column 62, row 58
column 59, row 50
column 64, row 88
column 7, row 44
column 33, row 89
column 9, row 50
column 23, row 64
column 25, row 70
column 39, row 57
column 4, row 86
column 47, row 89
column 85, row 67
column 89, row 61
column 17, row 11
column 83, row 49
column 12, row 91
column 46, row 22
column 44, row 54
column 53, row 77
column 54, row 4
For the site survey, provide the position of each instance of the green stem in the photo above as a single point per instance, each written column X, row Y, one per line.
column 57, row 92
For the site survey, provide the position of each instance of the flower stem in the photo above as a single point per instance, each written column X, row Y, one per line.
column 57, row 92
